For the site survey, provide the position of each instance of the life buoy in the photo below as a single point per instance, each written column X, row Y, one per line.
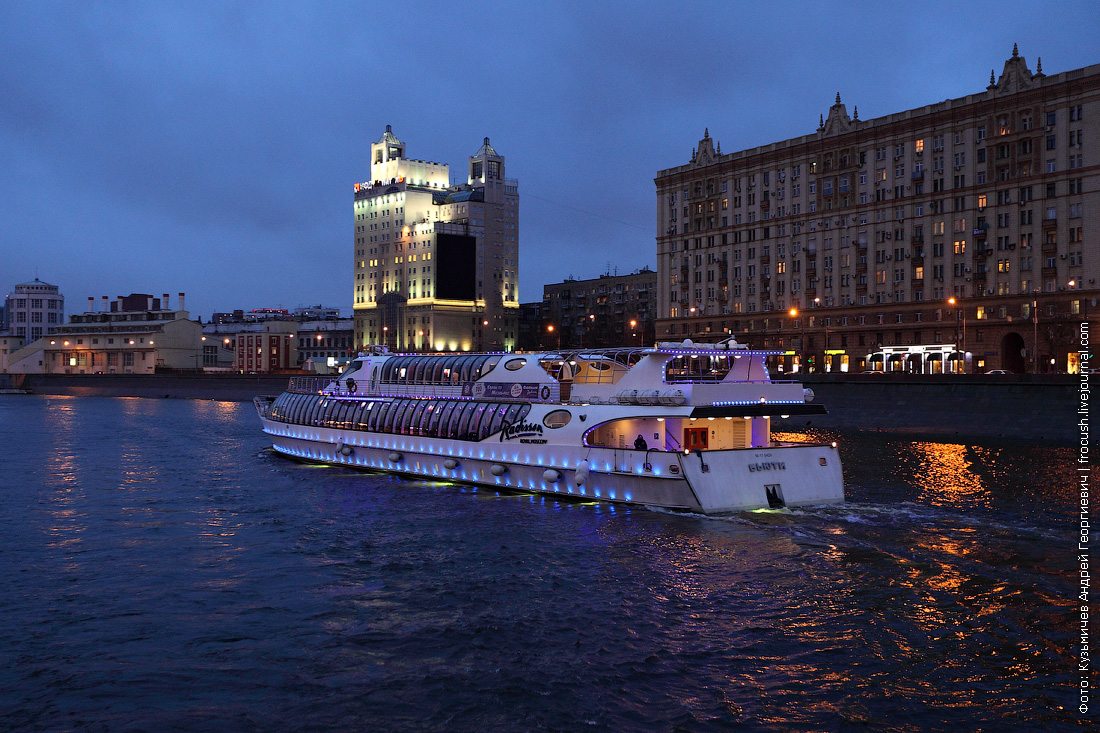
column 350, row 384
column 544, row 393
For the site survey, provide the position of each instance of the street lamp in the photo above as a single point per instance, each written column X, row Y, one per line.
column 633, row 326
column 793, row 313
column 960, row 341
column 550, row 329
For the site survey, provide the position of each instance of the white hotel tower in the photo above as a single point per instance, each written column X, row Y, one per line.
column 436, row 265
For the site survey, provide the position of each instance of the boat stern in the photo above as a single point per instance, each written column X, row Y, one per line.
column 755, row 478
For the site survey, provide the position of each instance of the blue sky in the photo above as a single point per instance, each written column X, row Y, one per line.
column 211, row 147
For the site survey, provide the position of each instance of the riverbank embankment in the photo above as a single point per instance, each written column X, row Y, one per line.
column 951, row 407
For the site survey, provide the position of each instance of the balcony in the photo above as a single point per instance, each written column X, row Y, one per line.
column 1051, row 223
column 917, row 175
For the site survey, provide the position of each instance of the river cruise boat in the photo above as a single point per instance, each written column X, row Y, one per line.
column 682, row 426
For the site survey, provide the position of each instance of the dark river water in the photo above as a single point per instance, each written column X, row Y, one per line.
column 160, row 569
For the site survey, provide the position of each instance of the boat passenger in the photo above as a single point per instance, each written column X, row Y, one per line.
column 640, row 444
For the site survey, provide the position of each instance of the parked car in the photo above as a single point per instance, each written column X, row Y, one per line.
column 998, row 371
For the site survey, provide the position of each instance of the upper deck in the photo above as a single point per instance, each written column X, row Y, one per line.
column 667, row 374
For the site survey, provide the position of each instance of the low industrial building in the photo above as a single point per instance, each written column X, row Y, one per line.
column 134, row 334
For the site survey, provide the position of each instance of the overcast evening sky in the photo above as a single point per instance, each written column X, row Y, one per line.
column 212, row 147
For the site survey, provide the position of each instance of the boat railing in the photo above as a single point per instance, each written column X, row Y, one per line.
column 309, row 385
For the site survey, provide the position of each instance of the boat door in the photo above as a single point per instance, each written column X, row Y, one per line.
column 695, row 438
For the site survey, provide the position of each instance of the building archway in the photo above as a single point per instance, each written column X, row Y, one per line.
column 1012, row 353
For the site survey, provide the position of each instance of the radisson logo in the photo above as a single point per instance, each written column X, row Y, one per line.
column 519, row 430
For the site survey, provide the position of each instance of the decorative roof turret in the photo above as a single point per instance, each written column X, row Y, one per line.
column 389, row 137
column 1015, row 78
column 705, row 153
column 838, row 121
column 486, row 149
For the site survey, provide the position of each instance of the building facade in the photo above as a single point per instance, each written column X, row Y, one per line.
column 611, row 310
column 34, row 309
column 972, row 222
column 436, row 265
column 134, row 334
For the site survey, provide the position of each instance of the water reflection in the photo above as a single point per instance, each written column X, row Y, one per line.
column 946, row 475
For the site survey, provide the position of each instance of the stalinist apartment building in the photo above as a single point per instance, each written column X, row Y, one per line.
column 436, row 264
column 963, row 232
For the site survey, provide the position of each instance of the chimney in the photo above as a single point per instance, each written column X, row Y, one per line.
column 91, row 304
column 106, row 308
column 149, row 302
column 164, row 302
column 181, row 302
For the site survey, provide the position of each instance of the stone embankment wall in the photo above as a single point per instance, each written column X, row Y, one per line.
column 967, row 407
column 228, row 387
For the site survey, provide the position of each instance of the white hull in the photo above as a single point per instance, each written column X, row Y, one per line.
column 708, row 481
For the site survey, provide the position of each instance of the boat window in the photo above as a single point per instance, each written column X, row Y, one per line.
column 450, row 430
column 437, row 371
column 499, row 412
column 478, row 418
column 346, row 414
column 463, row 426
column 441, row 428
column 557, row 419
column 295, row 411
column 415, row 418
column 378, row 416
column 435, row 411
column 325, row 419
column 336, row 418
column 511, row 417
column 401, row 419
column 514, row 364
column 355, row 418
column 426, row 419
column 462, row 369
column 490, row 364
column 368, row 415
column 599, row 366
column 484, row 426
column 311, row 411
column 316, row 405
column 387, row 370
column 473, row 368
column 398, row 416
column 448, row 367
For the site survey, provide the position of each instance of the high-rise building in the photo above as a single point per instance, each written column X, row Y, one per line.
column 436, row 264
column 34, row 309
column 972, row 223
